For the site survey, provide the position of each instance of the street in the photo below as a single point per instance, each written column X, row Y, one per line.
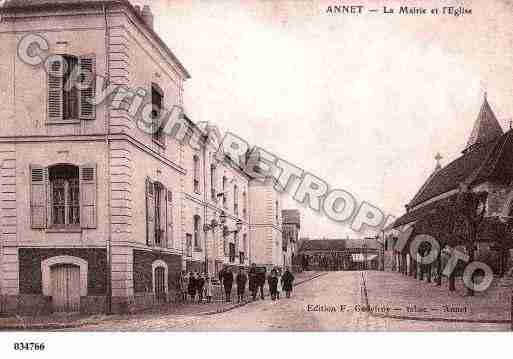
column 332, row 302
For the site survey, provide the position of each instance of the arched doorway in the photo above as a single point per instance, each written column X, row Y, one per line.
column 160, row 284
column 65, row 290
column 160, row 280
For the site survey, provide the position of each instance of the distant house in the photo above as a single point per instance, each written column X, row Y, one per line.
column 339, row 254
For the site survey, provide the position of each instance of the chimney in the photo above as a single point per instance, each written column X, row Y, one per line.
column 137, row 9
column 147, row 16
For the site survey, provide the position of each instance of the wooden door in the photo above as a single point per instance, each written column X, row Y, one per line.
column 160, row 284
column 65, row 288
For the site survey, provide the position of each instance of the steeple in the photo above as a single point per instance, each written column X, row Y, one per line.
column 486, row 128
column 438, row 158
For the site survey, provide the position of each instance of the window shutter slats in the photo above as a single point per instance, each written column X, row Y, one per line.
column 55, row 79
column 150, row 213
column 38, row 201
column 169, row 215
column 87, row 67
column 88, row 193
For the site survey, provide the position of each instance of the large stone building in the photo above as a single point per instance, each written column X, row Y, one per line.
column 92, row 207
column 485, row 167
column 291, row 227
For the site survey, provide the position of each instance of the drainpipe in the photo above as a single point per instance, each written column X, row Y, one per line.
column 108, row 301
column 205, row 232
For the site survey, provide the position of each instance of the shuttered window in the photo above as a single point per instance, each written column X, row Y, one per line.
column 71, row 88
column 150, row 213
column 87, row 68
column 157, row 97
column 63, row 196
column 197, row 238
column 38, row 201
column 169, row 232
column 88, row 196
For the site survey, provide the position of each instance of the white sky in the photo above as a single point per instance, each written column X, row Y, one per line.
column 363, row 102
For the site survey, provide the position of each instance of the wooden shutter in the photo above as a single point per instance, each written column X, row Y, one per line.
column 88, row 196
column 55, row 78
column 225, row 242
column 87, row 67
column 169, row 219
column 150, row 213
column 38, row 200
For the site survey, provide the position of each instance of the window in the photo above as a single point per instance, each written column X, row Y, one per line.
column 157, row 97
column 159, row 212
column 197, row 245
column 235, row 200
column 225, row 242
column 159, row 215
column 224, row 191
column 213, row 182
column 188, row 245
column 68, row 73
column 232, row 252
column 277, row 211
column 244, row 204
column 245, row 243
column 65, row 196
column 241, row 257
column 70, row 95
column 196, row 173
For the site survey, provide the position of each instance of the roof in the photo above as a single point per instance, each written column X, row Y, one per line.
column 486, row 128
column 485, row 156
column 14, row 5
column 420, row 212
column 291, row 216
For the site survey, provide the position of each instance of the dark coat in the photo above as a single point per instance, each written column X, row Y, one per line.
column 191, row 288
column 241, row 280
column 272, row 281
column 252, row 279
column 200, row 282
column 227, row 279
column 287, row 280
column 260, row 279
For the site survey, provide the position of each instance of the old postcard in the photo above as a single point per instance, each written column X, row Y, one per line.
column 209, row 166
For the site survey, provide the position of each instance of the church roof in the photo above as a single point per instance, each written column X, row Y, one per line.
column 485, row 157
column 486, row 128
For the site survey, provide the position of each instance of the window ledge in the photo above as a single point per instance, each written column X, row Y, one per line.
column 63, row 122
column 64, row 230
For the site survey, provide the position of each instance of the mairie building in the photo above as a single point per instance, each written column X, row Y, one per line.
column 95, row 214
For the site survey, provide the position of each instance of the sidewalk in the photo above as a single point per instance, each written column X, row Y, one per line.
column 54, row 322
column 409, row 298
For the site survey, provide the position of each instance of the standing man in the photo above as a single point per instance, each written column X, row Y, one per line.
column 241, row 285
column 287, row 281
column 253, row 281
column 261, row 281
column 228, row 283
column 200, row 283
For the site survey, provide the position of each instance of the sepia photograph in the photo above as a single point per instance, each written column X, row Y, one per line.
column 254, row 167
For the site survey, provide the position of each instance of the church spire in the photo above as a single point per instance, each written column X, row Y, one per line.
column 486, row 128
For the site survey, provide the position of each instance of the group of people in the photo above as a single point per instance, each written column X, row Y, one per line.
column 257, row 278
column 198, row 286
